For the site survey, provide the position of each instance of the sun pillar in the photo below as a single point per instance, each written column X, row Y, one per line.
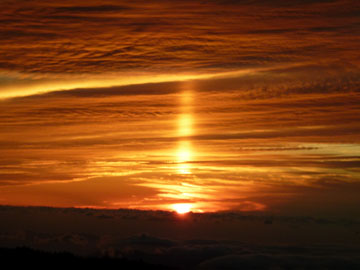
column 184, row 152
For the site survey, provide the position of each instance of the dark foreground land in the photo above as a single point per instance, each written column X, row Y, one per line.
column 17, row 257
column 130, row 239
column 42, row 259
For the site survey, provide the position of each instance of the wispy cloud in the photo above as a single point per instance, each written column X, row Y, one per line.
column 91, row 37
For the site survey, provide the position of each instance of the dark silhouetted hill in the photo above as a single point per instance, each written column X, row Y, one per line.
column 23, row 256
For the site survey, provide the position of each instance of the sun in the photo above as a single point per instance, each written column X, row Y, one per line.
column 182, row 208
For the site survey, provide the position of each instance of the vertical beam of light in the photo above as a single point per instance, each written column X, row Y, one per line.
column 184, row 152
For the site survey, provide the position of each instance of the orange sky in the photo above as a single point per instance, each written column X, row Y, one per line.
column 224, row 105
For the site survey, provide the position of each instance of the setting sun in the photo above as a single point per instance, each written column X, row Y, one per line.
column 182, row 208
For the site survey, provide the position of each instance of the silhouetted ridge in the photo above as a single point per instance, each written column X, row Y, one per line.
column 25, row 256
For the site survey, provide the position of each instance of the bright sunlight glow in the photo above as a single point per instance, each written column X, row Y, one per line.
column 182, row 208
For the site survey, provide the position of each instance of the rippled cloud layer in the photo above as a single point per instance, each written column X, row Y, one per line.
column 61, row 42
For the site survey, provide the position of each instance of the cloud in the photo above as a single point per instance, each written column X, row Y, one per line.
column 90, row 9
column 175, row 36
column 270, row 136
column 281, row 111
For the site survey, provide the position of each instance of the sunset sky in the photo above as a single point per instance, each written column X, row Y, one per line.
column 185, row 105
